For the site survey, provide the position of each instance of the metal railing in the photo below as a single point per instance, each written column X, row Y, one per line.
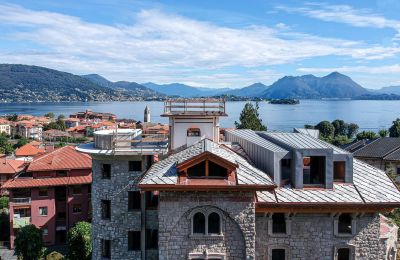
column 200, row 105
column 144, row 141
column 26, row 200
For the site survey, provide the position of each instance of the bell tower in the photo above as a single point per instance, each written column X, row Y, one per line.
column 191, row 120
column 146, row 118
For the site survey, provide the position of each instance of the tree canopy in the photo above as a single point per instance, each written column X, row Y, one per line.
column 79, row 241
column 5, row 146
column 250, row 119
column 394, row 130
column 370, row 135
column 28, row 243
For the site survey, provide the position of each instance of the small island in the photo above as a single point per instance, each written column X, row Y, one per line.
column 285, row 101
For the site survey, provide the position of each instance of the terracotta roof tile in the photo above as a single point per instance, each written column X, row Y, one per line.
column 60, row 159
column 29, row 150
column 47, row 182
column 11, row 166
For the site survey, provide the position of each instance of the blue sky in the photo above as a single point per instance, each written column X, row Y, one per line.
column 206, row 43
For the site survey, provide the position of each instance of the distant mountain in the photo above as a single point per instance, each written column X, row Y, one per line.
column 334, row 85
column 124, row 86
column 182, row 90
column 389, row 90
column 253, row 90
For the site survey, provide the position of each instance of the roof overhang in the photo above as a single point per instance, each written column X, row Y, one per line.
column 182, row 187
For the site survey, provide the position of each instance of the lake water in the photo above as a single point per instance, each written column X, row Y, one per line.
column 368, row 114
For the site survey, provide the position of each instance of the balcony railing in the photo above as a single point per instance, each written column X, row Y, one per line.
column 194, row 106
column 26, row 200
column 21, row 222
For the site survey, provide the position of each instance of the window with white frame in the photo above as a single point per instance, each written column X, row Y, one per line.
column 206, row 223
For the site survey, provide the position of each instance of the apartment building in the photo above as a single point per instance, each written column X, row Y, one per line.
column 256, row 195
column 53, row 194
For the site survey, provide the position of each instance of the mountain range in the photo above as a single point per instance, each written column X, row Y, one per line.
column 25, row 83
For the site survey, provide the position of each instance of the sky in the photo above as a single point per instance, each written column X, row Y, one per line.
column 207, row 43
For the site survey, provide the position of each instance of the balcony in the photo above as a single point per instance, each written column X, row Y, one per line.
column 199, row 106
column 26, row 200
column 19, row 222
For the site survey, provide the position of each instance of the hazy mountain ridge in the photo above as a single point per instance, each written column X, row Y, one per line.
column 182, row 90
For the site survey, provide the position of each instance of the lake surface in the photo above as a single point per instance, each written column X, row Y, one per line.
column 368, row 114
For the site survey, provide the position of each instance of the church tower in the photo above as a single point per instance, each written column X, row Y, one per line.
column 191, row 120
column 146, row 115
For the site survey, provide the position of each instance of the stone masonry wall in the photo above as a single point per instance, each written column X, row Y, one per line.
column 238, row 224
column 114, row 189
column 312, row 237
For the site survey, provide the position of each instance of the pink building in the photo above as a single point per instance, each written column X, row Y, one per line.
column 53, row 194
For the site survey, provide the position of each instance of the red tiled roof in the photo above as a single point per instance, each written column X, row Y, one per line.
column 11, row 166
column 29, row 150
column 47, row 182
column 61, row 159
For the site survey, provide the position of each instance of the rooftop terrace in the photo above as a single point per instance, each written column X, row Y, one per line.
column 199, row 106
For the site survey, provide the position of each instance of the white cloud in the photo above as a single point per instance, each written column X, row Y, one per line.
column 166, row 48
column 389, row 69
column 345, row 14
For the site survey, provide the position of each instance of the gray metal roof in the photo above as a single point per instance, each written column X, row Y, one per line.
column 296, row 140
column 165, row 172
column 379, row 148
column 251, row 136
column 394, row 156
column 311, row 132
column 371, row 185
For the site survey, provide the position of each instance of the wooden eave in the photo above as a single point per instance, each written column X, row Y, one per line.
column 206, row 156
column 182, row 187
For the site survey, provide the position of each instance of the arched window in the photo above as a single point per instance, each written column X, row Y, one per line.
column 199, row 223
column 214, row 223
column 193, row 132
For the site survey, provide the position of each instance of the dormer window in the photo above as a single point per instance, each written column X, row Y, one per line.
column 339, row 171
column 314, row 170
column 193, row 132
column 207, row 169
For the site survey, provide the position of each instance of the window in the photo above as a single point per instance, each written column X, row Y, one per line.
column 344, row 224
column 398, row 170
column 106, row 248
column 76, row 208
column 339, row 171
column 193, row 132
column 105, row 209
column 43, row 192
column 45, row 231
column 43, row 211
column 214, row 223
column 106, row 171
column 314, row 170
column 199, row 223
column 286, row 169
column 135, row 166
column 77, row 189
column 134, row 199
column 278, row 254
column 134, row 240
column 278, row 223
column 216, row 171
column 151, row 239
column 151, row 199
column 62, row 173
column 207, row 169
column 343, row 254
column 198, row 170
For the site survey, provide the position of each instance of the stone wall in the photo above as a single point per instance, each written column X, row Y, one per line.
column 312, row 237
column 238, row 224
column 114, row 189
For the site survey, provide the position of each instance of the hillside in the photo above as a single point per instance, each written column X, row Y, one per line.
column 182, row 90
column 334, row 85
column 253, row 90
column 389, row 90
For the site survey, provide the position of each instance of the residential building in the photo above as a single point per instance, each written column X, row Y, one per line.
column 88, row 114
column 31, row 150
column 53, row 194
column 5, row 126
column 383, row 153
column 257, row 195
column 28, row 130
column 71, row 122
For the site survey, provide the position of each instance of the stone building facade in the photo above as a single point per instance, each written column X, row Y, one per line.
column 256, row 195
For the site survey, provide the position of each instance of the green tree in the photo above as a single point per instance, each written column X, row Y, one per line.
column 250, row 119
column 326, row 129
column 60, row 117
column 352, row 130
column 4, row 225
column 370, row 135
column 21, row 142
column 28, row 243
column 49, row 115
column 79, row 241
column 308, row 126
column 340, row 127
column 383, row 132
column 58, row 125
column 4, row 202
column 340, row 140
column 13, row 118
column 5, row 146
column 394, row 130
